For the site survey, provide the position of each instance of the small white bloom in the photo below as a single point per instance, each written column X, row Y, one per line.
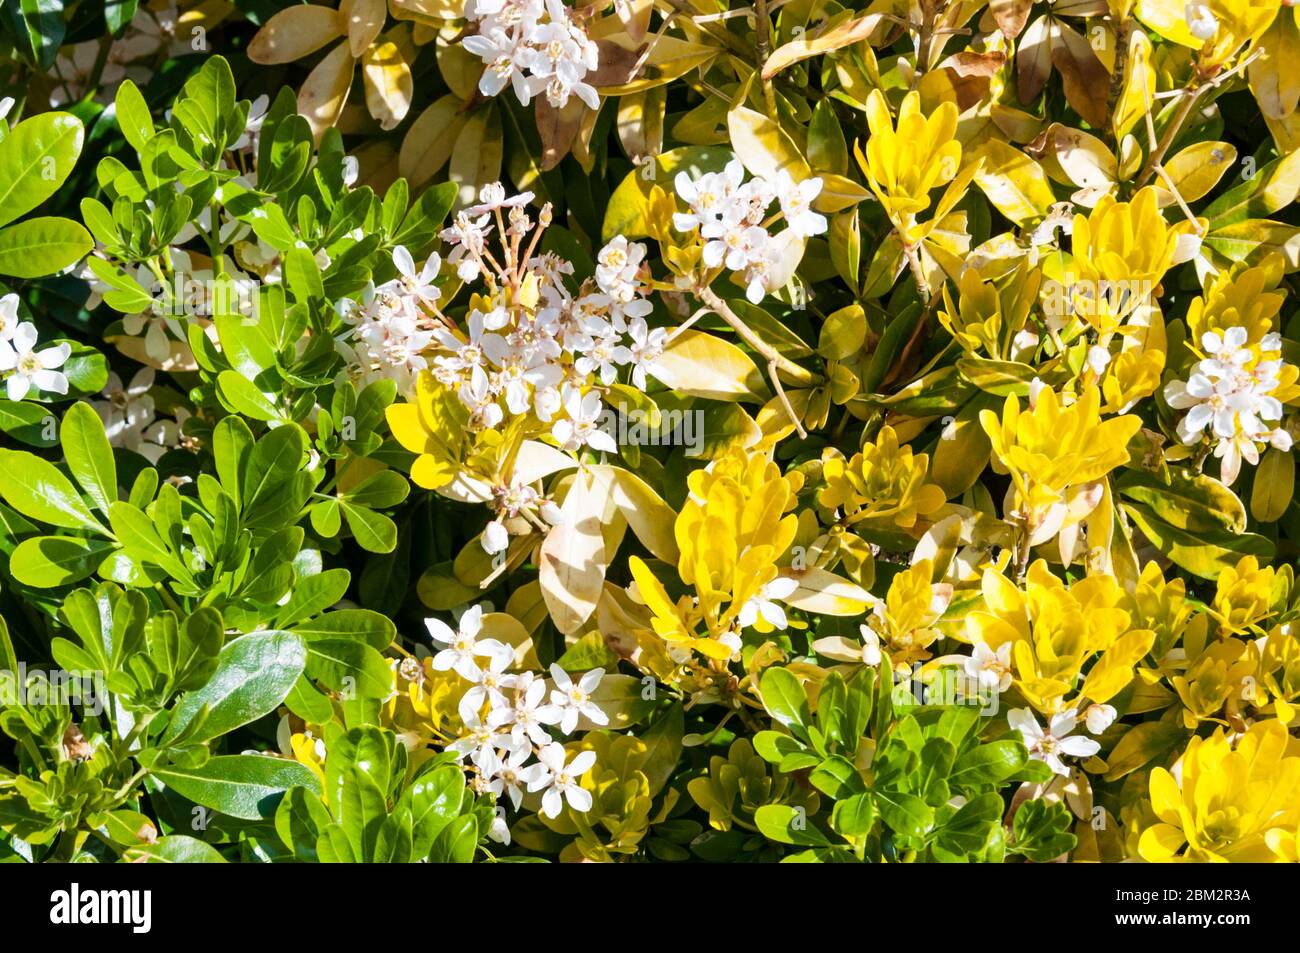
column 764, row 605
column 1099, row 717
column 560, row 779
column 29, row 368
column 464, row 646
column 1050, row 745
column 573, row 699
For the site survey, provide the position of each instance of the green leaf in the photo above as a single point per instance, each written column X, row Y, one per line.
column 854, row 816
column 42, row 246
column 903, row 813
column 374, row 532
column 139, row 536
column 36, row 489
column 243, row 397
column 1041, row 831
column 89, row 455
column 38, row 28
column 133, row 115
column 788, row 825
column 246, row 786
column 457, row 842
column 343, row 664
column 254, row 674
column 434, row 799
column 49, row 561
column 33, row 424
column 373, row 628
column 299, row 820
column 35, row 158
column 174, row 849
column 989, row 763
column 784, row 699
column 1204, row 553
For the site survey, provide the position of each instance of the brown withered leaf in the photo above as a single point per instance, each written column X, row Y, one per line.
column 1010, row 15
column 558, row 128
column 635, row 16
column 1087, row 84
column 970, row 72
column 1034, row 58
column 615, row 65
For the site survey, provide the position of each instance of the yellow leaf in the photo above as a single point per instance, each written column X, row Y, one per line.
column 476, row 156
column 1196, row 170
column 824, row 40
column 388, row 83
column 1274, row 485
column 650, row 518
column 763, row 147
column 1114, row 670
column 292, row 34
column 702, row 365
column 571, row 565
column 325, row 91
column 428, row 142
column 1273, row 77
column 825, row 593
column 1013, row 182
column 362, row 20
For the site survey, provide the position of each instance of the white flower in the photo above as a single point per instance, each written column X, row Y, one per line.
column 560, row 780
column 8, row 316
column 573, row 699
column 581, row 428
column 507, row 59
column 490, row 684
column 29, row 368
column 647, row 347
column 156, row 342
column 417, row 283
column 492, row 197
column 479, row 738
column 464, row 646
column 503, row 775
column 127, row 409
column 1201, row 20
column 708, row 196
column 990, row 669
column 870, row 645
column 253, row 127
column 496, row 538
column 1099, row 717
column 1050, row 745
column 762, row 605
column 1098, row 359
column 796, row 204
column 1235, row 405
column 529, row 714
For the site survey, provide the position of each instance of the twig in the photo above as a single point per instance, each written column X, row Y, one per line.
column 763, row 48
column 776, row 362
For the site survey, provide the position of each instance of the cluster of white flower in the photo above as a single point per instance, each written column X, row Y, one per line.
column 509, row 718
column 732, row 218
column 535, row 346
column 1230, row 394
column 534, row 46
column 131, row 419
column 22, row 366
column 393, row 326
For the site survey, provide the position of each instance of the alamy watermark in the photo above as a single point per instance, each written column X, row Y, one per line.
column 632, row 426
column 56, row 687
